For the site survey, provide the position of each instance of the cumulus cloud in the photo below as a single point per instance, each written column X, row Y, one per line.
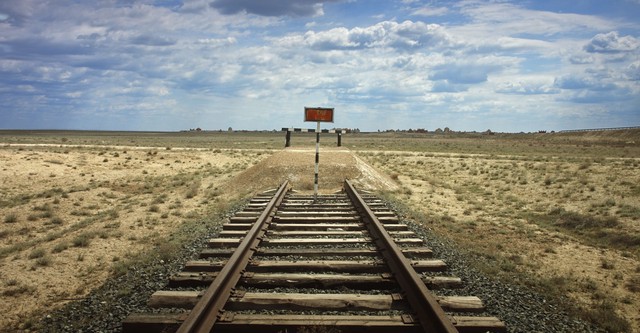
column 116, row 57
column 430, row 11
column 469, row 71
column 444, row 86
column 465, row 74
column 271, row 8
column 152, row 40
column 612, row 42
column 633, row 71
column 507, row 17
column 527, row 88
column 405, row 35
column 575, row 82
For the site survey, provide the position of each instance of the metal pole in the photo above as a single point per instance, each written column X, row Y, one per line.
column 315, row 182
column 339, row 139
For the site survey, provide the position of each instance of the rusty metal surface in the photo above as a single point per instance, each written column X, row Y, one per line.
column 427, row 310
column 206, row 312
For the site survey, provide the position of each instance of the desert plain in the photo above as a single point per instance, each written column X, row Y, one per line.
column 555, row 212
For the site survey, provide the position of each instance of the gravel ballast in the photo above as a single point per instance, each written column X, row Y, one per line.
column 104, row 309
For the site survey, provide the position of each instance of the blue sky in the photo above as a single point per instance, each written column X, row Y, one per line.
column 170, row 65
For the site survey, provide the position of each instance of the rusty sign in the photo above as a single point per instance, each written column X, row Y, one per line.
column 318, row 114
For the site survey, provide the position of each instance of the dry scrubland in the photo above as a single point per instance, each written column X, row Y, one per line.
column 557, row 212
column 75, row 212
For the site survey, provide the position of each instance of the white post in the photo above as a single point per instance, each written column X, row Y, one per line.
column 315, row 183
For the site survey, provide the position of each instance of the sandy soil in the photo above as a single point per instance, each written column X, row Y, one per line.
column 491, row 205
column 72, row 214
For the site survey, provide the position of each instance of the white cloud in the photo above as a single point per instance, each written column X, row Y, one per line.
column 386, row 34
column 271, row 8
column 484, row 59
column 430, row 11
column 612, row 42
column 506, row 18
column 633, row 71
column 533, row 85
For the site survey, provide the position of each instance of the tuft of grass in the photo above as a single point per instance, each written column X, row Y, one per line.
column 604, row 314
column 36, row 253
column 43, row 261
column 572, row 220
column 56, row 220
column 193, row 190
column 81, row 240
column 60, row 247
column 11, row 218
column 17, row 289
column 606, row 264
column 633, row 284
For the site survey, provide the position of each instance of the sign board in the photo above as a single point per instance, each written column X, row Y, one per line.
column 318, row 114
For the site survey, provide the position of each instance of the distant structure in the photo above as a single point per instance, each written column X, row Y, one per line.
column 599, row 129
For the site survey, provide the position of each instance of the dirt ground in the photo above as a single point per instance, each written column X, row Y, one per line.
column 70, row 215
column 499, row 208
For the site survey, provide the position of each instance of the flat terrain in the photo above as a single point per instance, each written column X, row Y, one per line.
column 557, row 212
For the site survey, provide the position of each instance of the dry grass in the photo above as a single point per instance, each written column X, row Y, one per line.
column 551, row 213
column 68, row 211
column 556, row 212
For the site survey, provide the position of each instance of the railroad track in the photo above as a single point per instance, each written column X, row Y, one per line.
column 287, row 263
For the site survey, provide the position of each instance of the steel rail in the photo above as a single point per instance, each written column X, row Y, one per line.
column 206, row 312
column 427, row 310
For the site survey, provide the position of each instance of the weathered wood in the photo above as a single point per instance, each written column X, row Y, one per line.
column 368, row 266
column 326, row 226
column 341, row 265
column 315, row 213
column 307, row 204
column 186, row 299
column 322, row 208
column 222, row 242
column 461, row 303
column 312, row 219
column 231, row 322
column 242, row 219
column 410, row 252
column 284, row 301
column 153, row 322
column 389, row 219
column 316, row 226
column 232, row 233
column 346, row 323
column 315, row 241
column 324, row 281
column 466, row 324
column 248, row 213
column 237, row 226
column 174, row 299
column 301, row 280
column 294, row 233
